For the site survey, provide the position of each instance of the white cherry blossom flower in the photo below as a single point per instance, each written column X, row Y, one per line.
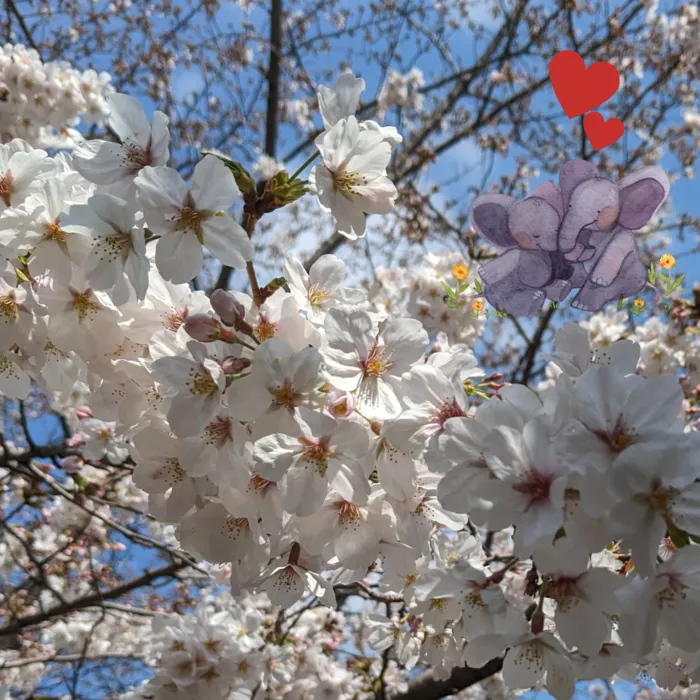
column 352, row 180
column 188, row 218
column 319, row 289
column 280, row 381
column 370, row 362
column 529, row 659
column 141, row 145
column 327, row 454
column 198, row 384
column 664, row 605
column 21, row 171
column 118, row 250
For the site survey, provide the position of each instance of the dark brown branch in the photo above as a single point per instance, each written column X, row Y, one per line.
column 271, row 127
column 95, row 599
column 23, row 25
column 426, row 687
column 273, row 78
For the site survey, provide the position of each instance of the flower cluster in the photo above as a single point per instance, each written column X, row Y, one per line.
column 315, row 440
column 401, row 91
column 225, row 647
column 43, row 102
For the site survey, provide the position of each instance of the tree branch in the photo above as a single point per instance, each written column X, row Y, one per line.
column 426, row 687
column 92, row 600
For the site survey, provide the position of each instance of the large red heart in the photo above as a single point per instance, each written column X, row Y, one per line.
column 602, row 133
column 580, row 89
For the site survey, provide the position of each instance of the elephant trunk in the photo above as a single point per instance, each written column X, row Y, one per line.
column 570, row 228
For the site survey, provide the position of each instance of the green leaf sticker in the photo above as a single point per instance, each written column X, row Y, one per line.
column 448, row 290
column 676, row 284
column 477, row 287
column 651, row 274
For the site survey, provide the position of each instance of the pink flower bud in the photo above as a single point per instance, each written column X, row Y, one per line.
column 227, row 307
column 203, row 328
column 72, row 464
column 83, row 412
column 234, row 365
column 340, row 404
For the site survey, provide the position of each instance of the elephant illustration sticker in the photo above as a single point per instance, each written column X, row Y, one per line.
column 577, row 236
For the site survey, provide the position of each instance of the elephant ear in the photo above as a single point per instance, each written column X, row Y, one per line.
column 551, row 194
column 489, row 214
column 641, row 195
column 572, row 174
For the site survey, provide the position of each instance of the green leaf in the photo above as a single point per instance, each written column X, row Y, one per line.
column 621, row 304
column 487, row 312
column 462, row 288
column 477, row 286
column 21, row 277
column 448, row 290
column 651, row 274
column 452, row 304
column 676, row 284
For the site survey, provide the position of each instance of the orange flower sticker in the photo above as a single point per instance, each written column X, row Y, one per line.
column 478, row 305
column 667, row 261
column 460, row 271
column 638, row 303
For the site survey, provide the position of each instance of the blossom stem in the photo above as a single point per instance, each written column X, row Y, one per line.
column 251, row 220
column 244, row 344
column 303, row 166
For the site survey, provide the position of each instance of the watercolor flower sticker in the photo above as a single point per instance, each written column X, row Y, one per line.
column 667, row 261
column 460, row 271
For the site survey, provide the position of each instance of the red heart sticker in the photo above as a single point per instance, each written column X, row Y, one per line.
column 580, row 89
column 602, row 133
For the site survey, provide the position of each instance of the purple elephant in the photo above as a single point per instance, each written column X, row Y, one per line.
column 531, row 268
column 577, row 235
column 602, row 214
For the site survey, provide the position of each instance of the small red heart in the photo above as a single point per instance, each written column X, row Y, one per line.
column 602, row 133
column 580, row 89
